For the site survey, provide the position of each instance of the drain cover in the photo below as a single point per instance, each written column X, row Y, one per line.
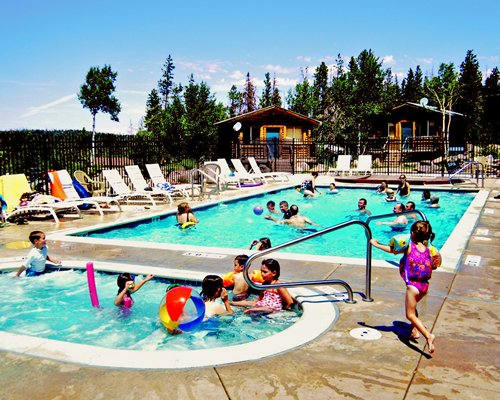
column 203, row 255
column 472, row 261
column 365, row 334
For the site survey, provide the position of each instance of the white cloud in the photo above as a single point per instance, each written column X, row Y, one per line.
column 307, row 59
column 280, row 69
column 237, row 75
column 48, row 106
column 427, row 61
column 388, row 60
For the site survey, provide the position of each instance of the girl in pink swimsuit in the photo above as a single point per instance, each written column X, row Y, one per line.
column 416, row 269
column 269, row 300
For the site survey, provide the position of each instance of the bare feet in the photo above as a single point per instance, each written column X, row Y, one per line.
column 430, row 343
column 414, row 333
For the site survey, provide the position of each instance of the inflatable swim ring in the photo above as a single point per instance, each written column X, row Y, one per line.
column 187, row 224
column 228, row 279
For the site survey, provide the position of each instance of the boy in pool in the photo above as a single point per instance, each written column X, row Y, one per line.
column 37, row 257
column 236, row 280
column 333, row 189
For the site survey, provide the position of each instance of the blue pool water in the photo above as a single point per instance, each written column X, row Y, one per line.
column 57, row 306
column 233, row 224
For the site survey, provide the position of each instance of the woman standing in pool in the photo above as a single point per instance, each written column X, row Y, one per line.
column 416, row 270
column 403, row 186
column 269, row 300
column 185, row 214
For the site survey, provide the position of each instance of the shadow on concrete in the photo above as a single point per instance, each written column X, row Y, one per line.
column 402, row 330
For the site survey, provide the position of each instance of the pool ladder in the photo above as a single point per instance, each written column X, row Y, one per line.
column 350, row 297
column 205, row 179
column 477, row 171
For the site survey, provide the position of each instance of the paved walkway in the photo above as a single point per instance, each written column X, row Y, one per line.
column 462, row 310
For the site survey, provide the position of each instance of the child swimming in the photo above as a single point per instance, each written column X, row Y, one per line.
column 127, row 286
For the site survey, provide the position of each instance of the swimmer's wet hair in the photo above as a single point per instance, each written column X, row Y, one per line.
column 422, row 231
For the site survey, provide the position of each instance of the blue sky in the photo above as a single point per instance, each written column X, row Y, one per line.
column 47, row 47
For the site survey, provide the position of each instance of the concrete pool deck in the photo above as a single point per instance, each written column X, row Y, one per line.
column 461, row 309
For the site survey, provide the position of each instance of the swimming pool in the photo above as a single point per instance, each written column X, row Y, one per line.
column 56, row 306
column 138, row 339
column 233, row 224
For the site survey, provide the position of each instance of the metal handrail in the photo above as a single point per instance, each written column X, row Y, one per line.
column 350, row 299
column 205, row 176
column 368, row 273
column 467, row 165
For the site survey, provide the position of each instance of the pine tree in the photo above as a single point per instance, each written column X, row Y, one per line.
column 154, row 114
column 248, row 96
column 166, row 83
column 235, row 102
column 412, row 86
column 491, row 116
column 266, row 97
column 276, row 97
column 470, row 99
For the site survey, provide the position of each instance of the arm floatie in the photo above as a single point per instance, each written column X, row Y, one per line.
column 228, row 279
column 399, row 243
column 256, row 276
column 435, row 257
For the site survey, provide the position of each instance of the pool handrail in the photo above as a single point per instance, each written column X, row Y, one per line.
column 468, row 164
column 368, row 234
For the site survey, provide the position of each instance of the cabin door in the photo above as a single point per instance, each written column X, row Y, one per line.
column 273, row 140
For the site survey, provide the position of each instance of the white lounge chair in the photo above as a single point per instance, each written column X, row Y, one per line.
column 159, row 182
column 122, row 190
column 364, row 165
column 140, row 184
column 277, row 176
column 72, row 195
column 40, row 204
column 241, row 172
column 343, row 165
column 226, row 176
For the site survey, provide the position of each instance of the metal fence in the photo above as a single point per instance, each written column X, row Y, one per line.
column 33, row 153
column 413, row 156
column 36, row 152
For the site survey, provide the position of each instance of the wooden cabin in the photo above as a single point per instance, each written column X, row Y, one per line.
column 416, row 130
column 266, row 134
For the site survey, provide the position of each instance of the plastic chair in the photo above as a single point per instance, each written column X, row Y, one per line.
column 94, row 187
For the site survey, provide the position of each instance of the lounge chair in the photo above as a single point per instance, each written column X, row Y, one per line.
column 140, row 184
column 364, row 165
column 277, row 176
column 159, row 181
column 214, row 171
column 226, row 172
column 343, row 165
column 17, row 185
column 241, row 172
column 72, row 195
column 94, row 187
column 124, row 193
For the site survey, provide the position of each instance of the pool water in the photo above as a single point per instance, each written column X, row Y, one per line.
column 57, row 306
column 233, row 224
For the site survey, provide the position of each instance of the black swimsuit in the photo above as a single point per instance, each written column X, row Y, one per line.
column 403, row 188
